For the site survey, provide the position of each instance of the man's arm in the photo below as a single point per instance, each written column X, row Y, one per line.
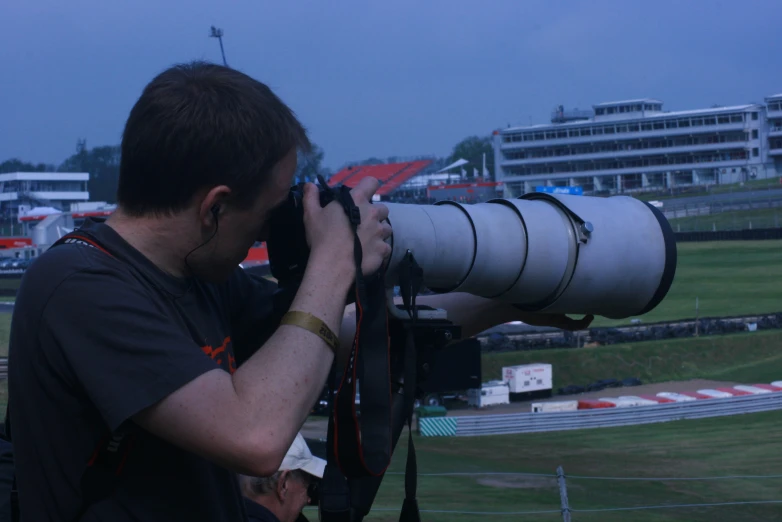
column 246, row 421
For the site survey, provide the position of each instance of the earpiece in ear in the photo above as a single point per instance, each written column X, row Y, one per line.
column 215, row 210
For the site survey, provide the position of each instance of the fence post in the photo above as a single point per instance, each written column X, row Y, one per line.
column 563, row 494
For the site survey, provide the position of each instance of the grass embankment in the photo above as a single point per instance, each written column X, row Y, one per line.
column 728, row 277
column 5, row 333
column 734, row 220
column 744, row 357
column 740, row 445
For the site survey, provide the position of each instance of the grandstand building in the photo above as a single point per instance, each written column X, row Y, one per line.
column 634, row 145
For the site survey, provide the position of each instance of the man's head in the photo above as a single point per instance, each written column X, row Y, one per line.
column 212, row 152
column 286, row 492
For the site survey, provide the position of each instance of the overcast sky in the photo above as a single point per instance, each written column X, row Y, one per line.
column 379, row 78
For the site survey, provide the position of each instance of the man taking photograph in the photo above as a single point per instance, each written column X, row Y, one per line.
column 143, row 334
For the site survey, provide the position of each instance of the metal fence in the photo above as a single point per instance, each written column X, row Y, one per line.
column 599, row 418
column 726, row 211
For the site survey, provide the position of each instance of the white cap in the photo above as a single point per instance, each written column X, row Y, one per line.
column 300, row 457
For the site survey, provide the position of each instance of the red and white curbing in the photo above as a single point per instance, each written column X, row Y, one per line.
column 629, row 401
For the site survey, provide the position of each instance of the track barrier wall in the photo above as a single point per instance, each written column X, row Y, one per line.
column 596, row 418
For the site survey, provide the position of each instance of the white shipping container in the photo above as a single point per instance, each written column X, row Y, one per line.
column 527, row 377
column 777, row 383
column 492, row 392
column 716, row 393
column 540, row 407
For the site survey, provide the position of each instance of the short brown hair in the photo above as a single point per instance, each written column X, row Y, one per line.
column 198, row 125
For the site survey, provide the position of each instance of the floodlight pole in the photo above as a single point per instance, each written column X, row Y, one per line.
column 218, row 33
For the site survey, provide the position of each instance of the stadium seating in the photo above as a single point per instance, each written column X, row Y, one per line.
column 343, row 175
column 391, row 175
column 401, row 176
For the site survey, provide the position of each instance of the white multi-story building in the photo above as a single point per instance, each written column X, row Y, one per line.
column 634, row 145
column 774, row 119
column 56, row 190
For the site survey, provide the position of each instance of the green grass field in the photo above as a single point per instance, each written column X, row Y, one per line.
column 739, row 445
column 727, row 277
column 5, row 333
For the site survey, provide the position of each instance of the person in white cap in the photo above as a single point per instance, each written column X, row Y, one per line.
column 282, row 496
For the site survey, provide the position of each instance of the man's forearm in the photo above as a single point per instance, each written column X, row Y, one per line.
column 278, row 385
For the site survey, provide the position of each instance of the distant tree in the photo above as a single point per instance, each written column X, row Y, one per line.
column 370, row 161
column 472, row 149
column 17, row 165
column 310, row 165
column 102, row 164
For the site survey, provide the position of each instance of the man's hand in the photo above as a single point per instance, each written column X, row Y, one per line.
column 330, row 235
column 374, row 229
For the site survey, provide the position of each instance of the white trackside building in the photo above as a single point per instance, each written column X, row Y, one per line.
column 635, row 145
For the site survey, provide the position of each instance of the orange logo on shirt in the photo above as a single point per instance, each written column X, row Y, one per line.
column 217, row 353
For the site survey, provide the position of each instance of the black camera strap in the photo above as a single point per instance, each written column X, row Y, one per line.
column 359, row 446
column 410, row 281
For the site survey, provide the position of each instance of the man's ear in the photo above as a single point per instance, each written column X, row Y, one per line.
column 212, row 202
column 282, row 485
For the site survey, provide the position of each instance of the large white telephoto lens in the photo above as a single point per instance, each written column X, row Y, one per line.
column 614, row 256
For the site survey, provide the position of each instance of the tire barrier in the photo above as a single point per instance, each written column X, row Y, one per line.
column 575, row 389
column 753, row 234
column 603, row 415
column 541, row 340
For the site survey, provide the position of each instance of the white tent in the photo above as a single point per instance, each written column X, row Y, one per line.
column 457, row 163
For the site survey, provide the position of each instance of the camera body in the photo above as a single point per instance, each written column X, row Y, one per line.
column 287, row 243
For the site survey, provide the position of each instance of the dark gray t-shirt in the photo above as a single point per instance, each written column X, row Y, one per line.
column 97, row 336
